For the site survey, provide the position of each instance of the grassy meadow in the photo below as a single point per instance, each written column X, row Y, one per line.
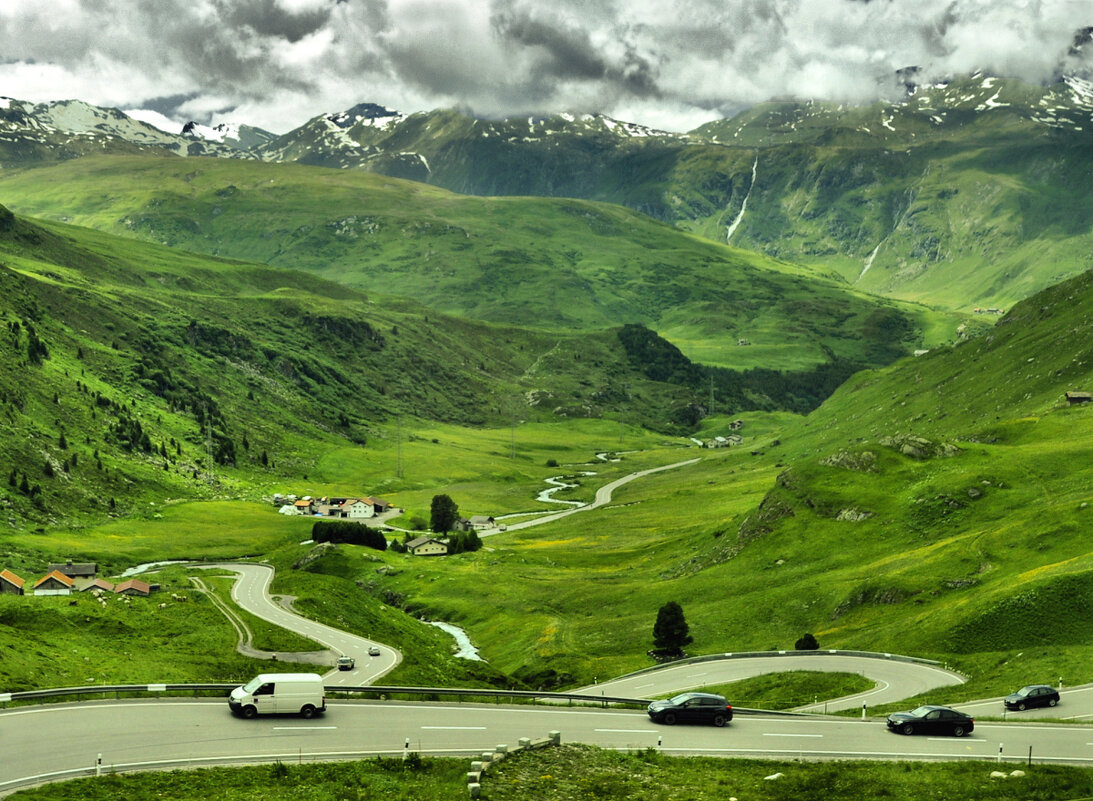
column 580, row 772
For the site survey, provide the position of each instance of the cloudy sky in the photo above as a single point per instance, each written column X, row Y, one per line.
column 667, row 63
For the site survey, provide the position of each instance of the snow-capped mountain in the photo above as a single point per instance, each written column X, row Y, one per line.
column 65, row 129
column 234, row 135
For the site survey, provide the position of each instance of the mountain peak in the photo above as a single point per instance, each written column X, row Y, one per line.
column 361, row 112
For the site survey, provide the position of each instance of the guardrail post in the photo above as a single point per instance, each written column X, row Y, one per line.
column 1000, row 753
column 863, row 711
column 98, row 765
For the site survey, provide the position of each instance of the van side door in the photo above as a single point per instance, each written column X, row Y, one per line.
column 265, row 701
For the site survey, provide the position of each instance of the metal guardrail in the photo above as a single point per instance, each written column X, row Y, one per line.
column 695, row 660
column 370, row 689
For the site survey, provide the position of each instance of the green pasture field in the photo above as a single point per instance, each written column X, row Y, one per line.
column 79, row 640
column 580, row 772
column 790, row 689
column 484, row 470
column 189, row 530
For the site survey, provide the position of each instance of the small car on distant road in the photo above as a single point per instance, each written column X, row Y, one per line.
column 373, row 650
column 346, row 663
column 692, row 708
column 1032, row 695
column 931, row 719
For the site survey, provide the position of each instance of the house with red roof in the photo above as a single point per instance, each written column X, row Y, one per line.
column 133, row 587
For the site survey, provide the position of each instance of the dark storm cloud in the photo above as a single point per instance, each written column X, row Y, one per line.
column 268, row 18
column 563, row 51
column 668, row 62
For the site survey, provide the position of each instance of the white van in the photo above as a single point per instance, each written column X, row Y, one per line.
column 292, row 693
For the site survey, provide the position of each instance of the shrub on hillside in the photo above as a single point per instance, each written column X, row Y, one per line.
column 350, row 533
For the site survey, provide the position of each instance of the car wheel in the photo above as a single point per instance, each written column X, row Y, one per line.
column 307, row 711
column 908, row 728
column 249, row 712
column 1021, row 707
column 958, row 731
column 719, row 720
column 1052, row 702
column 670, row 718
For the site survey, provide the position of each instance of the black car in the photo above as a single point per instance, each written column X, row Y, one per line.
column 1032, row 695
column 931, row 720
column 692, row 708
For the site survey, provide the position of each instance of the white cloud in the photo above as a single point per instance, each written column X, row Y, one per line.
column 275, row 63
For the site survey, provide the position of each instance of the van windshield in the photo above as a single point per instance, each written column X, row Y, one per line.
column 252, row 685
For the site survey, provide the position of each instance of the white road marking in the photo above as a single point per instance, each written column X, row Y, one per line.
column 456, row 728
column 301, row 728
column 769, row 734
column 628, row 731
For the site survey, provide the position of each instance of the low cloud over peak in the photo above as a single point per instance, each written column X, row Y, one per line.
column 670, row 63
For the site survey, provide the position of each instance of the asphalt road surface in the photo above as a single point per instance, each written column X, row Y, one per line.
column 52, row 742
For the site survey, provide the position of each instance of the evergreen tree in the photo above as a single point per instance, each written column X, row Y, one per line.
column 671, row 632
column 807, row 643
column 443, row 514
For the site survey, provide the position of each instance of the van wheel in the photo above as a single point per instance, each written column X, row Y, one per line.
column 249, row 712
column 307, row 711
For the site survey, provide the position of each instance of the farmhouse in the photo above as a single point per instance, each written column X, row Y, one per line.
column 427, row 546
column 1079, row 397
column 54, row 583
column 347, row 508
column 133, row 587
column 11, row 584
column 102, row 585
column 378, row 504
column 481, row 522
column 78, row 570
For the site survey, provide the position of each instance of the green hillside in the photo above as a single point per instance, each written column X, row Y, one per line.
column 555, row 264
column 939, row 507
column 129, row 365
column 968, row 194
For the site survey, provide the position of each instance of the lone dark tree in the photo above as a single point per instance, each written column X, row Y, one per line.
column 671, row 632
column 807, row 643
column 443, row 514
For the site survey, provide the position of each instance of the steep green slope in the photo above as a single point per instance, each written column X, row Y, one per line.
column 130, row 364
column 557, row 264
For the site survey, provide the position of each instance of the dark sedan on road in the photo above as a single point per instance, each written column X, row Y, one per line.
column 1032, row 695
column 931, row 720
column 692, row 708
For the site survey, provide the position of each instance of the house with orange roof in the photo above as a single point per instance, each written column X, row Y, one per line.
column 133, row 587
column 54, row 583
column 11, row 584
column 98, row 584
